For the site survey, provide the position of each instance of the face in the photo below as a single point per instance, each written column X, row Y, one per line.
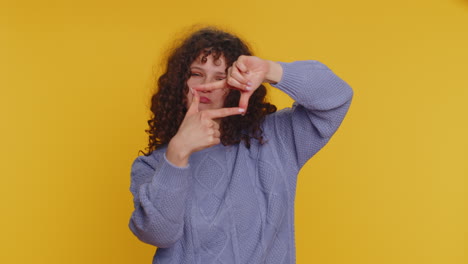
column 210, row 71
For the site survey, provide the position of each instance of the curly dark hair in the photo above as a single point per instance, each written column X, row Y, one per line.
column 169, row 103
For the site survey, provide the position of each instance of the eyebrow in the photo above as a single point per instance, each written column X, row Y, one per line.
column 201, row 69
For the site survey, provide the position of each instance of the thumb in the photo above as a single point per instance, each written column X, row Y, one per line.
column 244, row 100
column 195, row 102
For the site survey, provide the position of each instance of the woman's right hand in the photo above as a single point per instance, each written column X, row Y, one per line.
column 198, row 131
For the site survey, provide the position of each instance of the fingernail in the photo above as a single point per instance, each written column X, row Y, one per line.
column 248, row 88
column 242, row 110
column 249, row 83
column 191, row 90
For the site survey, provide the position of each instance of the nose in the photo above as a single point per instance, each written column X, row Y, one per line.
column 205, row 81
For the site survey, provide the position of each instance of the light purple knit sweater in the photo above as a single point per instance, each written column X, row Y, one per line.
column 232, row 204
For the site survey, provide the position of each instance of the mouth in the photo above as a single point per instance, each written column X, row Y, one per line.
column 204, row 100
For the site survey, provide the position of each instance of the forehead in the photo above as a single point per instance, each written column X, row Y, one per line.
column 204, row 61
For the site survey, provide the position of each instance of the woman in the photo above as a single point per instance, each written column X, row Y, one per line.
column 218, row 182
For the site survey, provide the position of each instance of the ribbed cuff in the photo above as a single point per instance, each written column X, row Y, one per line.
column 171, row 176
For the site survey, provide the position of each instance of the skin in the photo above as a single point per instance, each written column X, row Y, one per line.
column 208, row 72
column 200, row 127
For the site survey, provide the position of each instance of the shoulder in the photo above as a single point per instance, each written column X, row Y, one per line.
column 143, row 168
column 149, row 162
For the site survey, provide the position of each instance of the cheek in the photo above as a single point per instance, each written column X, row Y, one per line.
column 225, row 94
column 189, row 82
column 194, row 81
column 222, row 94
column 189, row 99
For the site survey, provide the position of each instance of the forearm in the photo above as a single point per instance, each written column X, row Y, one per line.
column 313, row 85
column 160, row 203
column 322, row 101
column 275, row 73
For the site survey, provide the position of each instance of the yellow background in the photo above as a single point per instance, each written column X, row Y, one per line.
column 75, row 80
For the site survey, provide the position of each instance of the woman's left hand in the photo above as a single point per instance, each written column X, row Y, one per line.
column 246, row 74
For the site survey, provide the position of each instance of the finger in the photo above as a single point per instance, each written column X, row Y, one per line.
column 240, row 65
column 211, row 86
column 215, row 125
column 194, row 106
column 233, row 83
column 235, row 74
column 217, row 134
column 211, row 132
column 244, row 101
column 215, row 141
column 223, row 112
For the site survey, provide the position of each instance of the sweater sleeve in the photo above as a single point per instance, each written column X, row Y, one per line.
column 321, row 99
column 159, row 194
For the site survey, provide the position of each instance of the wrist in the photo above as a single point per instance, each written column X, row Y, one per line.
column 177, row 153
column 275, row 72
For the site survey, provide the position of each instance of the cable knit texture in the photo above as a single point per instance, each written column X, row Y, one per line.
column 232, row 204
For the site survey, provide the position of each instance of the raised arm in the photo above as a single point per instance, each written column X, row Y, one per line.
column 321, row 99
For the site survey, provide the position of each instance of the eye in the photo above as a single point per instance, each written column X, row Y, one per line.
column 195, row 74
column 219, row 78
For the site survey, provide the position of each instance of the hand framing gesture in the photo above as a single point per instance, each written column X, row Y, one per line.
column 198, row 131
column 246, row 75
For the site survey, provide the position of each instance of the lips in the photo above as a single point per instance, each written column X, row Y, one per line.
column 204, row 100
